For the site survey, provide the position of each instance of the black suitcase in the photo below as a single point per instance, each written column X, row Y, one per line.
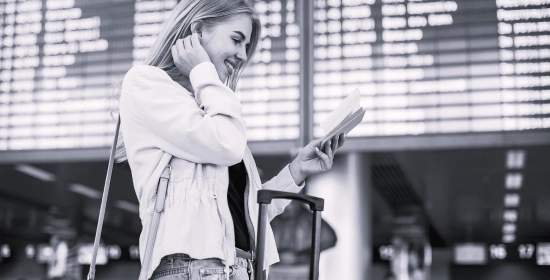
column 316, row 205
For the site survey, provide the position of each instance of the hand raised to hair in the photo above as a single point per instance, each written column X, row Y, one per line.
column 188, row 53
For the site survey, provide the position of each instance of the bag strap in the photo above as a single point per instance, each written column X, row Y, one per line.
column 91, row 273
column 159, row 207
column 153, row 227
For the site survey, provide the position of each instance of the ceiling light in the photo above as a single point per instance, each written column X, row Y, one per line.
column 134, row 252
column 511, row 200
column 44, row 253
column 510, row 216
column 30, row 251
column 127, row 206
column 509, row 228
column 85, row 191
column 35, row 172
column 5, row 251
column 508, row 238
column 515, row 159
column 513, row 181
column 114, row 252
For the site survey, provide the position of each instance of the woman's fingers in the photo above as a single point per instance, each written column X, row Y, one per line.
column 189, row 53
column 315, row 143
column 187, row 43
column 342, row 140
column 179, row 46
column 323, row 157
column 328, row 148
column 175, row 54
column 195, row 40
column 335, row 144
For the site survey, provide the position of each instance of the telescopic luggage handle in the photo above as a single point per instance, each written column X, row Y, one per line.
column 316, row 205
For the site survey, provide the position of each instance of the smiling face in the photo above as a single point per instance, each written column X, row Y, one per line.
column 226, row 44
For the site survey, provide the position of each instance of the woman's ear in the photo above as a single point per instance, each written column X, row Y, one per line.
column 196, row 27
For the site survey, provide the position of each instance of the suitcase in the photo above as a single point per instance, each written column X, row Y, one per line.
column 316, row 205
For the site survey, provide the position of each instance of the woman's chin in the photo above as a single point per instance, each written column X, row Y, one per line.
column 222, row 76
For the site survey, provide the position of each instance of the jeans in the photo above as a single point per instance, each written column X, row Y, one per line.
column 181, row 266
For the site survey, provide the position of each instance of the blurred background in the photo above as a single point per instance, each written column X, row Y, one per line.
column 445, row 178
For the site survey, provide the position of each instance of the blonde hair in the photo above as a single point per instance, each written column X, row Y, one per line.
column 183, row 18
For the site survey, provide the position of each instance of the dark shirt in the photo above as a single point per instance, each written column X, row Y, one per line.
column 235, row 198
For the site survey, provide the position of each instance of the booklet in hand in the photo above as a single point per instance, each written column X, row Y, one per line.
column 344, row 118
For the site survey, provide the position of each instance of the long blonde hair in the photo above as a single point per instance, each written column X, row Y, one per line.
column 209, row 13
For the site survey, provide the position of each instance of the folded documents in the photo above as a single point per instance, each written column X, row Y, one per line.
column 344, row 118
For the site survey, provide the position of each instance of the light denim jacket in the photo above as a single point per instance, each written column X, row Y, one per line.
column 204, row 134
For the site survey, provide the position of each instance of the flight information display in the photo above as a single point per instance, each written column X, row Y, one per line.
column 434, row 67
column 269, row 88
column 423, row 67
column 61, row 59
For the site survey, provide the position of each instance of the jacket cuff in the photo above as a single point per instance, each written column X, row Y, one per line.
column 202, row 74
column 285, row 180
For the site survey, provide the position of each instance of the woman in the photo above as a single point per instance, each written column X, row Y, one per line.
column 180, row 109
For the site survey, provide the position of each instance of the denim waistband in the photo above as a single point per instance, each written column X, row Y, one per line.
column 177, row 256
column 240, row 262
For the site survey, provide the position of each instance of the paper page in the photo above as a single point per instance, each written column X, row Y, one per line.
column 350, row 105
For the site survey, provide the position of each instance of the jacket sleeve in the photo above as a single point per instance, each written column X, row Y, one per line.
column 206, row 128
column 282, row 182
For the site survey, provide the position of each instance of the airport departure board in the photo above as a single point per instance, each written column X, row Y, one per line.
column 434, row 67
column 423, row 67
column 59, row 60
column 269, row 88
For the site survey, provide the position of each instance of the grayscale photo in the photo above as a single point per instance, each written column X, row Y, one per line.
column 275, row 139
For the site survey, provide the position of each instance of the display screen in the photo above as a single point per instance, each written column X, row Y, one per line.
column 543, row 253
column 59, row 62
column 269, row 88
column 61, row 59
column 423, row 67
column 86, row 252
column 434, row 67
column 470, row 254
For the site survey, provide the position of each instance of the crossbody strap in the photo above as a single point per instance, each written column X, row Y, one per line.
column 91, row 273
column 154, row 224
column 159, row 207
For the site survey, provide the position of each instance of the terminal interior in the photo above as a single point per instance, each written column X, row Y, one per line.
column 445, row 178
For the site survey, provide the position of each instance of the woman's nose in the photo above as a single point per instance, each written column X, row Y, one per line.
column 241, row 54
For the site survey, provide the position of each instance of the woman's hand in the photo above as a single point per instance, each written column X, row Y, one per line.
column 188, row 53
column 311, row 160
